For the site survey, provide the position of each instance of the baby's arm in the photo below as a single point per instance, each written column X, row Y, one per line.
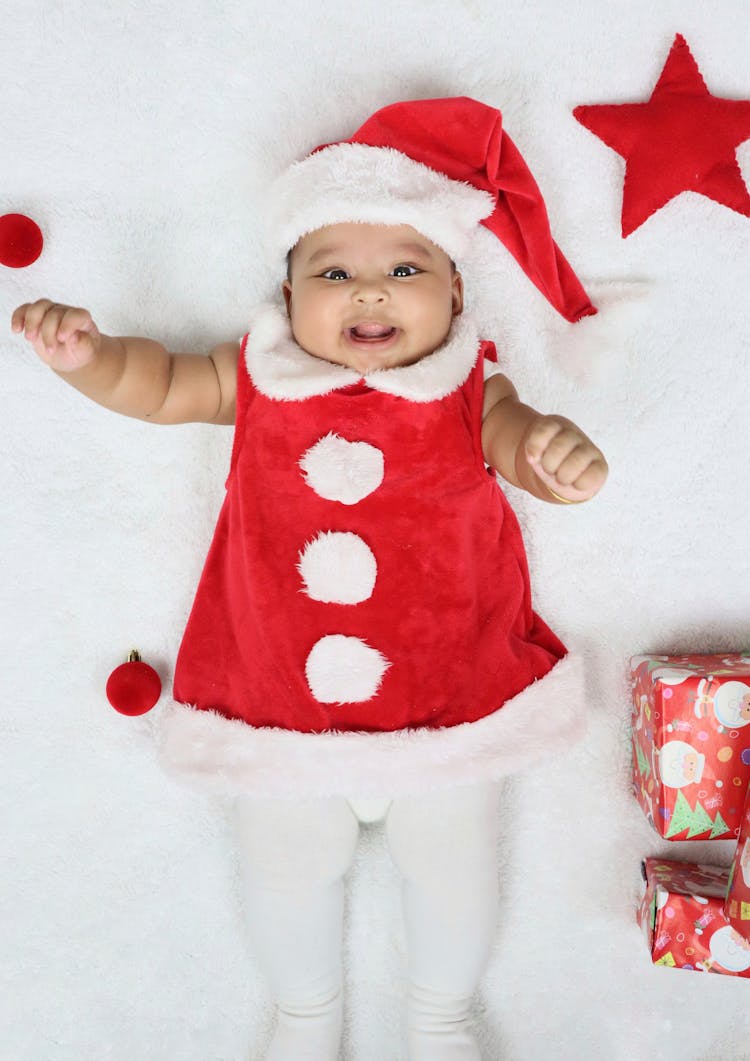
column 547, row 455
column 135, row 377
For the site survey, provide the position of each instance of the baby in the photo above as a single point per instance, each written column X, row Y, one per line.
column 362, row 644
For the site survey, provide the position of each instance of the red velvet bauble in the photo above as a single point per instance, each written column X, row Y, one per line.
column 21, row 241
column 134, row 687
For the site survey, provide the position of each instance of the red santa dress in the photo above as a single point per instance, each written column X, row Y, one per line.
column 363, row 623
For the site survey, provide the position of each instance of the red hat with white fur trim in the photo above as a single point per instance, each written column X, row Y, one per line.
column 443, row 166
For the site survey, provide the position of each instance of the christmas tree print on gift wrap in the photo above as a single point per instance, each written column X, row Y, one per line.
column 644, row 766
column 696, row 820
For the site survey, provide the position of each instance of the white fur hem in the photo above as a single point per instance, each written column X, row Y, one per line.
column 204, row 750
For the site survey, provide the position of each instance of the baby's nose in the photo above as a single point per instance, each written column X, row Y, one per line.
column 370, row 291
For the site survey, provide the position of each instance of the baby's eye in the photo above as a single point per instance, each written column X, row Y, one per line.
column 331, row 274
column 413, row 269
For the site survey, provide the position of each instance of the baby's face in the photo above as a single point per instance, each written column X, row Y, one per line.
column 371, row 296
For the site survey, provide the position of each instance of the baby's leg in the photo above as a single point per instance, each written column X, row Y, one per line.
column 293, row 857
column 445, row 846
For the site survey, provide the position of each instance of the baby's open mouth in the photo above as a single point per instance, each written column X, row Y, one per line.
column 370, row 333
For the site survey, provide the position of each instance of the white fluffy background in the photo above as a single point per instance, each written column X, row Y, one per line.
column 140, row 136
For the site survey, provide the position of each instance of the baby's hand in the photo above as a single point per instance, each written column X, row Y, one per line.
column 64, row 337
column 567, row 462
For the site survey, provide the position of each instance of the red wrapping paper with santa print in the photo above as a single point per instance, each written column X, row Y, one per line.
column 737, row 905
column 683, row 919
column 691, row 743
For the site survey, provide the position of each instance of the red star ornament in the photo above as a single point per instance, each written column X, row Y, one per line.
column 682, row 140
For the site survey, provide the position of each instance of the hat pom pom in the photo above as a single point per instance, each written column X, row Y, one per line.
column 586, row 349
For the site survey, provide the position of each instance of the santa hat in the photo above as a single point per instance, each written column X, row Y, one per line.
column 443, row 166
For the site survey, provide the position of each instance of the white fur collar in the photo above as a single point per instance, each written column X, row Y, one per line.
column 281, row 369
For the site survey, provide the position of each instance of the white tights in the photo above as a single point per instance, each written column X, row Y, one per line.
column 294, row 856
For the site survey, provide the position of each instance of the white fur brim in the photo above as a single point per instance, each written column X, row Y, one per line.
column 207, row 751
column 375, row 185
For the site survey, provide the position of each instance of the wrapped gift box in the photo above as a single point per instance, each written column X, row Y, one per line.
column 682, row 916
column 737, row 905
column 691, row 743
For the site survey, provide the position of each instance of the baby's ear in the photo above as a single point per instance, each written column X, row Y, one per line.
column 286, row 289
column 457, row 294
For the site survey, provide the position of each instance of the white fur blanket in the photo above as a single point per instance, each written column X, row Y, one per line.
column 140, row 136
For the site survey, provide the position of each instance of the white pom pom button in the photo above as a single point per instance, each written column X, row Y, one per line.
column 343, row 471
column 344, row 670
column 337, row 567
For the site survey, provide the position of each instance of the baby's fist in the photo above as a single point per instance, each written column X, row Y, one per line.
column 64, row 337
column 567, row 462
